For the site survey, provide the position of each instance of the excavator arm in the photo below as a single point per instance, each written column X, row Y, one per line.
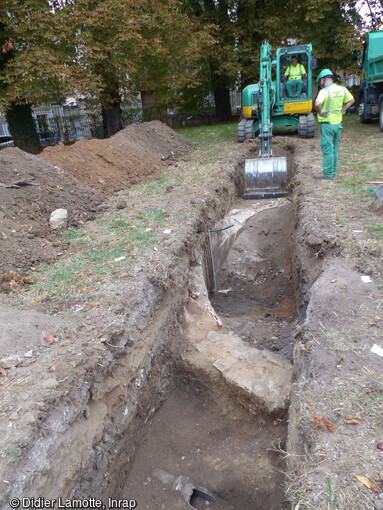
column 266, row 176
column 265, row 102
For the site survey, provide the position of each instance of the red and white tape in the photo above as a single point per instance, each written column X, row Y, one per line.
column 213, row 314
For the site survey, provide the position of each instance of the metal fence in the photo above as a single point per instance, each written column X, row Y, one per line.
column 59, row 123
column 73, row 122
column 68, row 124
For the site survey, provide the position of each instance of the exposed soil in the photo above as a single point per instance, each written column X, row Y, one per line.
column 77, row 178
column 221, row 448
column 82, row 374
column 256, row 295
column 25, row 210
column 125, row 159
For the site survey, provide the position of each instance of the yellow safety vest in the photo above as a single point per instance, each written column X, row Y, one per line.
column 295, row 72
column 332, row 98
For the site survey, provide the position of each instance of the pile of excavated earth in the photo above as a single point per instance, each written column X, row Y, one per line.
column 170, row 345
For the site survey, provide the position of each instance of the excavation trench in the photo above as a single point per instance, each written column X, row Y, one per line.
column 215, row 410
column 201, row 451
column 188, row 408
column 256, row 283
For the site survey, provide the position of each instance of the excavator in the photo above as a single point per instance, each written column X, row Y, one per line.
column 275, row 101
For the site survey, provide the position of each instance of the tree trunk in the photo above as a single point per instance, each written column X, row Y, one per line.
column 111, row 119
column 23, row 128
column 222, row 104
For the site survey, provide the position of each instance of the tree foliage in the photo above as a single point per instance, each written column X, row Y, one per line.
column 110, row 50
column 101, row 49
column 373, row 14
column 332, row 27
column 37, row 69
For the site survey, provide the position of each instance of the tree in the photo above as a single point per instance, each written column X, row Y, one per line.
column 220, row 66
column 124, row 47
column 334, row 30
column 19, row 115
column 104, row 50
column 34, row 70
column 119, row 48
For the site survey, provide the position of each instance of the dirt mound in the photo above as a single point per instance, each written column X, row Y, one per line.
column 25, row 210
column 107, row 165
column 125, row 159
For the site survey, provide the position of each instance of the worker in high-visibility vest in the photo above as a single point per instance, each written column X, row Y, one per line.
column 332, row 101
column 293, row 73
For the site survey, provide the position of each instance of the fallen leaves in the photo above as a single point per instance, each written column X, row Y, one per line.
column 365, row 481
column 351, row 421
column 321, row 422
column 4, row 373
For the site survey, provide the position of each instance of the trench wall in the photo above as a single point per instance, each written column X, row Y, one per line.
column 88, row 439
column 92, row 433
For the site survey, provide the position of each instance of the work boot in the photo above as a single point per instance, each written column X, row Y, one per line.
column 323, row 176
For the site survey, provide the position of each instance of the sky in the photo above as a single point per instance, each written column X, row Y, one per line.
column 365, row 12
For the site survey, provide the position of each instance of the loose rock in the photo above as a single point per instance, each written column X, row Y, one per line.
column 121, row 203
column 59, row 219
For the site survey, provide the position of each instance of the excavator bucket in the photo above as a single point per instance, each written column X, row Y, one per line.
column 265, row 178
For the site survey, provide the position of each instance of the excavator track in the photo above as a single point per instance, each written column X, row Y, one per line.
column 306, row 126
column 245, row 130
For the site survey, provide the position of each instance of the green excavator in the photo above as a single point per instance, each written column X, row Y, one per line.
column 276, row 101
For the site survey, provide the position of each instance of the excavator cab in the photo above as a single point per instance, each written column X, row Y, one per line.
column 281, row 98
column 292, row 86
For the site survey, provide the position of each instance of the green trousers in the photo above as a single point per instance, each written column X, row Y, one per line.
column 294, row 88
column 329, row 143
